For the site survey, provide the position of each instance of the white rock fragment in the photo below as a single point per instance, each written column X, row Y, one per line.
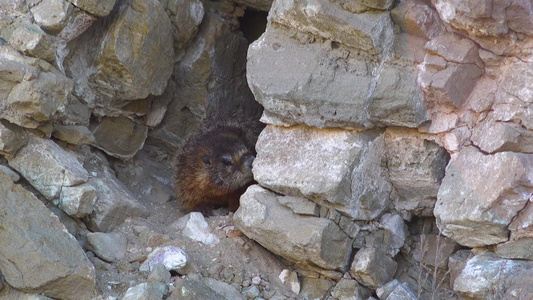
column 173, row 258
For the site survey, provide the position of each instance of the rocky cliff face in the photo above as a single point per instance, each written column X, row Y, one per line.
column 397, row 161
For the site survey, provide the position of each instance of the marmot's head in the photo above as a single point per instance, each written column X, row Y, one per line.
column 226, row 158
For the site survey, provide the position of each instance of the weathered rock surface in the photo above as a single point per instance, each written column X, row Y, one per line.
column 372, row 267
column 38, row 254
column 196, row 287
column 416, row 168
column 313, row 242
column 115, row 202
column 479, row 198
column 487, row 276
column 332, row 171
column 108, row 246
column 63, row 167
column 287, row 80
column 130, row 60
column 33, row 91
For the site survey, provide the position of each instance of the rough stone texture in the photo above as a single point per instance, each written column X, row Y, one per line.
column 194, row 226
column 416, row 168
column 517, row 249
column 131, row 59
column 366, row 32
column 308, row 241
column 73, row 134
column 210, row 82
column 372, row 267
column 333, row 170
column 287, row 80
column 38, row 255
column 63, row 167
column 96, row 7
column 448, row 76
column 108, row 246
column 195, row 287
column 115, row 202
column 478, row 197
column 120, row 137
column 32, row 41
column 487, row 276
column 52, row 15
column 315, row 288
column 77, row 201
column 12, row 138
column 186, row 16
column 32, row 90
column 349, row 289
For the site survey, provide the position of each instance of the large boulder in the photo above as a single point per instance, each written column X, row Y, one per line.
column 479, row 197
column 336, row 168
column 38, row 253
column 311, row 242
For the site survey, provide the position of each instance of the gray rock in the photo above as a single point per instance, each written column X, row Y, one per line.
column 372, row 267
column 115, row 202
column 516, row 249
column 173, row 258
column 63, row 169
column 194, row 226
column 120, row 137
column 52, row 15
column 290, row 279
column 194, row 287
column 110, row 247
column 12, row 138
column 333, row 170
column 487, row 276
column 78, row 201
column 396, row 233
column 31, row 40
column 250, row 292
column 100, row 8
column 9, row 172
column 73, row 134
column 417, row 18
column 134, row 56
column 301, row 239
column 349, row 289
column 313, row 84
column 38, row 253
column 141, row 292
column 367, row 32
column 186, row 16
column 159, row 279
column 416, row 167
column 299, row 205
column 434, row 250
column 315, row 288
column 456, row 264
column 476, row 182
column 35, row 93
column 210, row 80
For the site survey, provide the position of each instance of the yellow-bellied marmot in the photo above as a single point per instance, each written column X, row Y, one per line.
column 214, row 168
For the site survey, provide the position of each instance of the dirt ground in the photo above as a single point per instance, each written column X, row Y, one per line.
column 235, row 259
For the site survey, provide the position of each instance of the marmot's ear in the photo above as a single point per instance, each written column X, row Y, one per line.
column 206, row 159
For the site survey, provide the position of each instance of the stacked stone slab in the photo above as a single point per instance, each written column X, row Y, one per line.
column 366, row 102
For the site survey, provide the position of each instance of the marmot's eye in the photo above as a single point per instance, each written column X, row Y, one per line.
column 226, row 160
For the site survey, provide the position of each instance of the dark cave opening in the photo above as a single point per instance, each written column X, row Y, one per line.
column 253, row 24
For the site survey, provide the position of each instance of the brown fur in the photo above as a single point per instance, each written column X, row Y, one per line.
column 214, row 169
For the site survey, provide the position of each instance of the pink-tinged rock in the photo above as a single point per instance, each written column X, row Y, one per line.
column 480, row 195
column 417, row 18
column 520, row 16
